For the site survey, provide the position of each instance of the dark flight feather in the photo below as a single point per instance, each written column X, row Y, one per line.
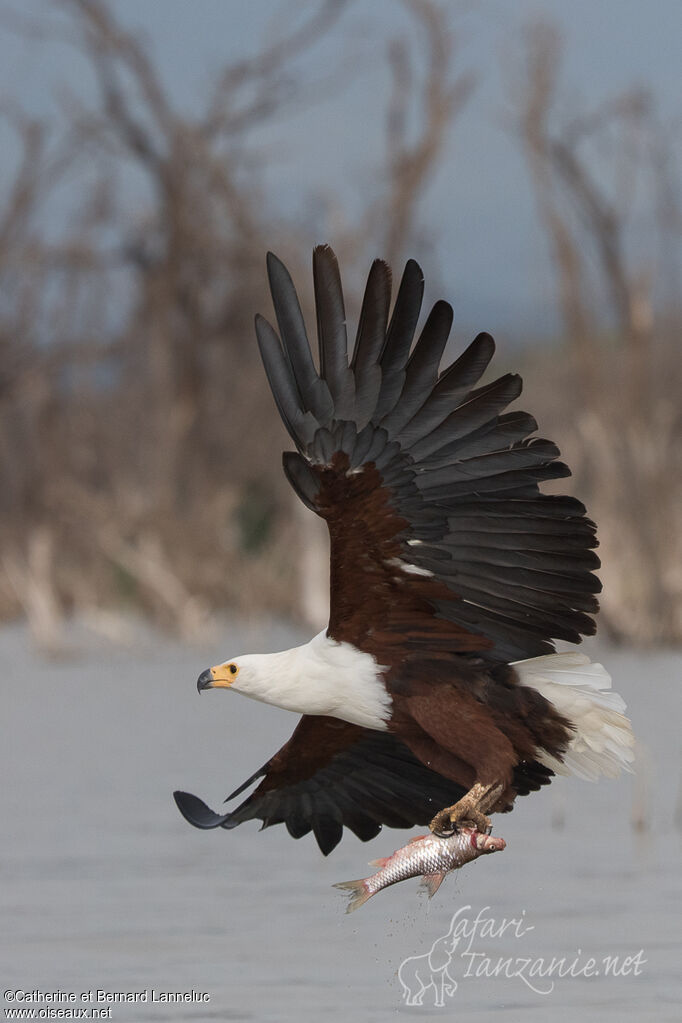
column 331, row 332
column 301, row 425
column 479, row 408
column 301, row 477
column 314, row 391
column 399, row 338
column 451, row 388
column 370, row 340
column 422, row 369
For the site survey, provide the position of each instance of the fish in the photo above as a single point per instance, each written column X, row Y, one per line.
column 427, row 856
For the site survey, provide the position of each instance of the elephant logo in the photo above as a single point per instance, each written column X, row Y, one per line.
column 430, row 970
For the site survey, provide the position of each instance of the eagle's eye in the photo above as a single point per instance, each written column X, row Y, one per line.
column 233, row 669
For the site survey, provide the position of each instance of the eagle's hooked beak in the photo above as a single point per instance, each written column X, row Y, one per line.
column 215, row 678
column 205, row 680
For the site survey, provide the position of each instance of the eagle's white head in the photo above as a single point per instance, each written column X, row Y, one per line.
column 263, row 677
column 320, row 677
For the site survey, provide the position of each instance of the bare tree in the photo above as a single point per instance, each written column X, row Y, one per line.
column 128, row 363
column 439, row 96
column 602, row 178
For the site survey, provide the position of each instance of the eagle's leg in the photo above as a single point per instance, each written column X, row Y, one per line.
column 469, row 811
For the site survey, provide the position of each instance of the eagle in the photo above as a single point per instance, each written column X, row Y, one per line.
column 435, row 695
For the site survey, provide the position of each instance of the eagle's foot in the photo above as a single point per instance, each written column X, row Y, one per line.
column 468, row 812
column 462, row 815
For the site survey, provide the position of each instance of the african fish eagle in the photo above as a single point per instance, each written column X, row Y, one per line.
column 435, row 694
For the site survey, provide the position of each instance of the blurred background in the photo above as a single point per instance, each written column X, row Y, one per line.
column 526, row 154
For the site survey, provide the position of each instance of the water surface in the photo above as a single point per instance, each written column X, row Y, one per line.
column 104, row 886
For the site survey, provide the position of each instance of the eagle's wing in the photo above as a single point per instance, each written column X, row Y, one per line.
column 330, row 774
column 440, row 537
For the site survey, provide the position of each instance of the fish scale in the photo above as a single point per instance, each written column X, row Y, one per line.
column 426, row 856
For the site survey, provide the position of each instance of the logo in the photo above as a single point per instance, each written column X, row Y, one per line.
column 476, row 948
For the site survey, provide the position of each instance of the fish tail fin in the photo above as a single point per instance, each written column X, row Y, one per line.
column 358, row 891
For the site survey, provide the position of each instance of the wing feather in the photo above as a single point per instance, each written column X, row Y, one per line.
column 399, row 338
column 301, row 425
column 477, row 410
column 422, row 369
column 331, row 332
column 453, row 385
column 370, row 340
column 332, row 774
column 314, row 391
column 440, row 536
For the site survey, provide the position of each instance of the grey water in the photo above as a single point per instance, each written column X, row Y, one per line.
column 104, row 887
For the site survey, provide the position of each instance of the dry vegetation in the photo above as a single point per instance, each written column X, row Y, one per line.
column 128, row 365
column 607, row 190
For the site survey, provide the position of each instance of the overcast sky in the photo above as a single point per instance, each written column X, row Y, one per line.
column 490, row 252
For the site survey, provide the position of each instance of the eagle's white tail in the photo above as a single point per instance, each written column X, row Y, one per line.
column 603, row 741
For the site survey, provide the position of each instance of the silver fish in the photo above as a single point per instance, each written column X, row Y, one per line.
column 426, row 856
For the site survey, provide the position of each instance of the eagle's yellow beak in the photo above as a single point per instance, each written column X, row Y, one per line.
column 220, row 677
